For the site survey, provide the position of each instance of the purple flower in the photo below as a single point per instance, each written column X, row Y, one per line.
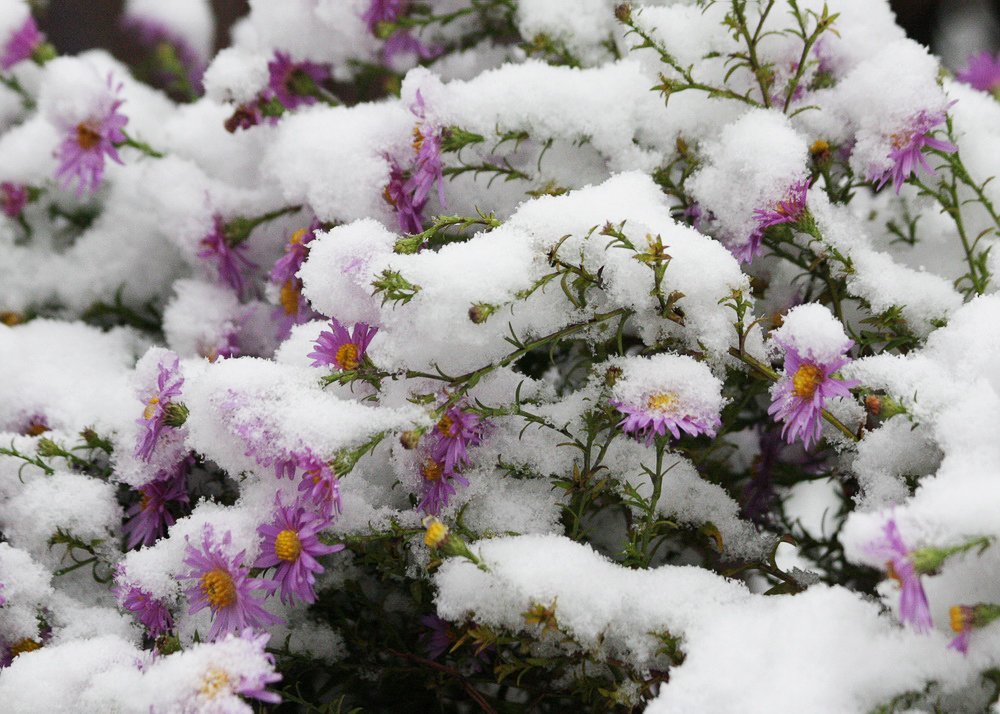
column 319, row 484
column 81, row 154
column 22, row 44
column 295, row 84
column 437, row 486
column 150, row 518
column 243, row 667
column 427, row 167
column 396, row 195
column 800, row 394
column 982, row 71
column 176, row 60
column 453, row 434
column 383, row 11
column 962, row 621
column 340, row 349
column 152, row 613
column 168, row 385
column 294, row 309
column 890, row 548
column 907, row 151
column 224, row 586
column 3, row 600
column 228, row 259
column 789, row 210
column 658, row 413
column 290, row 543
column 13, row 198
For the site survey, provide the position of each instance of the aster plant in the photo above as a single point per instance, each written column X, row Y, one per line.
column 223, row 584
column 290, row 544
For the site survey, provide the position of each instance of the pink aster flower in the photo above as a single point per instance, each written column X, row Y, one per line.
column 342, row 350
column 291, row 544
column 907, row 150
column 149, row 519
column 151, row 612
column 383, row 11
column 319, row 485
column 397, row 195
column 168, row 386
column 962, row 619
column 454, row 433
column 427, row 167
column 982, row 71
column 13, row 198
column 800, row 395
column 22, row 44
column 223, row 584
column 789, row 210
column 437, row 486
column 913, row 606
column 229, row 260
column 81, row 154
column 294, row 310
column 241, row 667
column 295, row 83
column 656, row 414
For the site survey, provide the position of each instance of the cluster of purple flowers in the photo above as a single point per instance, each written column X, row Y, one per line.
column 82, row 151
column 319, row 484
column 154, row 416
column 409, row 190
column 448, row 455
column 801, row 393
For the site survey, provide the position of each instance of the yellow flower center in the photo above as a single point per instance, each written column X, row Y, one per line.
column 215, row 681
column 144, row 502
column 289, row 297
column 347, row 356
column 219, row 588
column 296, row 239
column 819, row 147
column 444, row 426
column 150, row 409
column 86, row 137
column 662, row 402
column 891, row 572
column 900, row 141
column 431, row 470
column 418, row 138
column 806, row 379
column 959, row 619
column 436, row 533
column 25, row 645
column 388, row 196
column 37, row 428
column 287, row 545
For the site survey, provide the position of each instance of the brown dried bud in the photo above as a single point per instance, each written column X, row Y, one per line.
column 409, row 439
column 623, row 12
column 873, row 404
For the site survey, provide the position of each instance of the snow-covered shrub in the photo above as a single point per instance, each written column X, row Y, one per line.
column 501, row 356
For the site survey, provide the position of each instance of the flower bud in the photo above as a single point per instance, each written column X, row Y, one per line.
column 480, row 312
column 175, row 415
column 436, row 534
column 11, row 318
column 409, row 439
column 623, row 12
column 48, row 448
